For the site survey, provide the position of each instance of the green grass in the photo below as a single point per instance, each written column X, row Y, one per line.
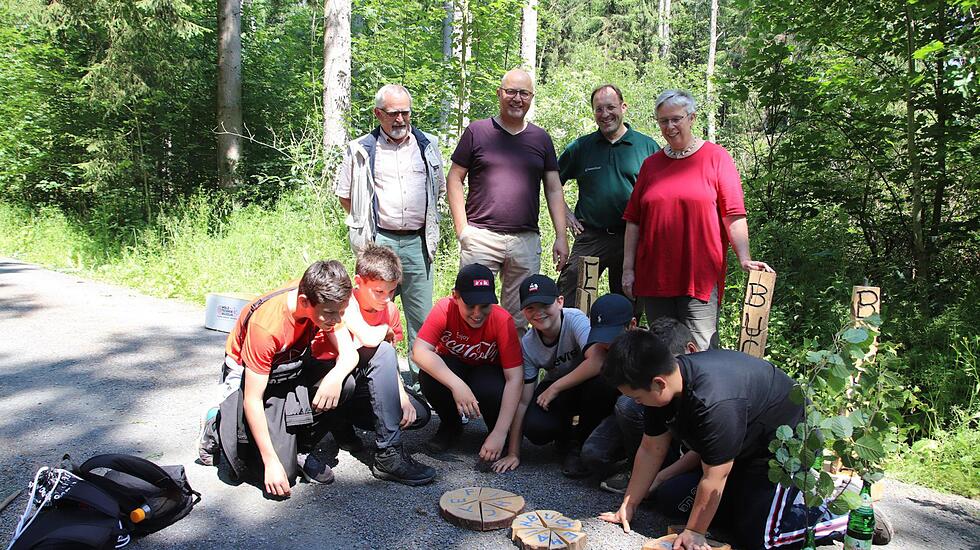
column 949, row 461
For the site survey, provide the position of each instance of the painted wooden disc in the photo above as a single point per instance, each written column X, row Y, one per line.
column 547, row 530
column 480, row 508
column 666, row 542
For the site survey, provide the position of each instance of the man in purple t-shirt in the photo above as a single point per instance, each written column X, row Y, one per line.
column 505, row 159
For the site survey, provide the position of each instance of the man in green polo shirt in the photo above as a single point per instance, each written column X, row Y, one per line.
column 605, row 163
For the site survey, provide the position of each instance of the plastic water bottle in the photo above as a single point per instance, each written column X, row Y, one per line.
column 140, row 513
column 861, row 523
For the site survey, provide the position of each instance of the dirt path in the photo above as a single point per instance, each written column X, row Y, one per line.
column 90, row 368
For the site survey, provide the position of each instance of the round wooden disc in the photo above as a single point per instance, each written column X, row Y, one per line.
column 547, row 530
column 666, row 542
column 480, row 508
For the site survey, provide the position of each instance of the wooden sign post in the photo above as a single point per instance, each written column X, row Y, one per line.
column 755, row 313
column 865, row 302
column 587, row 288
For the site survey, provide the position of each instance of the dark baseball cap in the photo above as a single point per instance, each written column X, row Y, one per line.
column 538, row 289
column 474, row 283
column 610, row 316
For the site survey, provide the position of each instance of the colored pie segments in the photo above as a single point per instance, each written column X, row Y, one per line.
column 480, row 508
column 547, row 530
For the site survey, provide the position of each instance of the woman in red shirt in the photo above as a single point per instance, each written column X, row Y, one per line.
column 686, row 207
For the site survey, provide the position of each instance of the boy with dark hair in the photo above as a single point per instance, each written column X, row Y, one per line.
column 558, row 345
column 380, row 401
column 725, row 407
column 269, row 423
column 470, row 359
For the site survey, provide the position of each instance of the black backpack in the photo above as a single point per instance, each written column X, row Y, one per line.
column 92, row 505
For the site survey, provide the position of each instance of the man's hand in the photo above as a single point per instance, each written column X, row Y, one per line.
column 629, row 277
column 621, row 516
column 574, row 225
column 409, row 414
column 492, row 446
column 328, row 395
column 560, row 251
column 753, row 265
column 547, row 396
column 507, row 463
column 390, row 336
column 689, row 540
column 276, row 482
column 466, row 402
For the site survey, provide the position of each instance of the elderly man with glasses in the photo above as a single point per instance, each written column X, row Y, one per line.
column 390, row 182
column 505, row 158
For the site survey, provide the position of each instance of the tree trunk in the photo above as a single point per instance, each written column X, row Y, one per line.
column 447, row 57
column 941, row 134
column 462, row 53
column 710, row 72
column 920, row 260
column 336, row 72
column 529, row 42
column 229, row 92
column 663, row 28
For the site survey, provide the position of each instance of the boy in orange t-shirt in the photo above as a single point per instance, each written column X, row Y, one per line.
column 380, row 400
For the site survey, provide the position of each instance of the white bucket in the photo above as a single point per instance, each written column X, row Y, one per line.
column 222, row 310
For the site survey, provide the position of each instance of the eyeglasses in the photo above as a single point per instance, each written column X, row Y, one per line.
column 665, row 122
column 396, row 114
column 511, row 92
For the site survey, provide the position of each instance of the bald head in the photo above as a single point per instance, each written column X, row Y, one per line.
column 517, row 79
column 514, row 94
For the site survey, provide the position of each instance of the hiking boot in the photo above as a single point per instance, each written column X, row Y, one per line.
column 572, row 465
column 314, row 469
column 883, row 529
column 347, row 439
column 394, row 464
column 444, row 439
column 208, row 445
column 616, row 483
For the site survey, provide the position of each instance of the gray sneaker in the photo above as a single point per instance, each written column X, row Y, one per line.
column 616, row 483
column 314, row 469
column 208, row 445
column 395, row 464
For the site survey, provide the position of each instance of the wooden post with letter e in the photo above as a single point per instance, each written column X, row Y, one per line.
column 755, row 313
column 587, row 288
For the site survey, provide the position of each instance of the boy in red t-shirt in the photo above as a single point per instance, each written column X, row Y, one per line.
column 290, row 353
column 470, row 360
column 380, row 401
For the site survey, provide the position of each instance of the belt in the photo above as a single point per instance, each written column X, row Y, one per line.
column 401, row 232
column 606, row 230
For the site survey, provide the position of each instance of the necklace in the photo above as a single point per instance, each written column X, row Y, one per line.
column 686, row 152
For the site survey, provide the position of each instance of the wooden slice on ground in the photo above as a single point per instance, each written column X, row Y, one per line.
column 666, row 542
column 547, row 530
column 480, row 508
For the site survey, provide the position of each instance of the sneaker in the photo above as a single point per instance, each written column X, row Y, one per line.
column 444, row 439
column 347, row 439
column 394, row 464
column 883, row 529
column 572, row 465
column 616, row 483
column 208, row 445
column 314, row 469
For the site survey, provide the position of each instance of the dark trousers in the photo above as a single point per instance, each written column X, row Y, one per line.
column 615, row 438
column 608, row 247
column 591, row 400
column 485, row 381
column 370, row 398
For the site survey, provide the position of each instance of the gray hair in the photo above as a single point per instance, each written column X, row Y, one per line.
column 379, row 98
column 676, row 98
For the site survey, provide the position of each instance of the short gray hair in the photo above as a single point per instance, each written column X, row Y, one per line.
column 379, row 98
column 676, row 98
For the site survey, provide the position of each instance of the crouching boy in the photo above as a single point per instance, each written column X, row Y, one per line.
column 470, row 361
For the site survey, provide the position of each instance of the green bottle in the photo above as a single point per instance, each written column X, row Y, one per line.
column 861, row 523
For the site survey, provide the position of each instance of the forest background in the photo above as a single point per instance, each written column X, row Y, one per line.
column 855, row 126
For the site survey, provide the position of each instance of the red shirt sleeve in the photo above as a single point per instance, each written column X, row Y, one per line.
column 508, row 343
column 395, row 322
column 324, row 344
column 731, row 201
column 435, row 323
column 632, row 213
column 259, row 349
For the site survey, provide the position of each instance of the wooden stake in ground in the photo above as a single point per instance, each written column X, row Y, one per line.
column 755, row 313
column 587, row 288
column 480, row 508
column 865, row 302
column 666, row 542
column 547, row 530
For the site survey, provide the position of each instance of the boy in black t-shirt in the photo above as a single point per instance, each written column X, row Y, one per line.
column 724, row 406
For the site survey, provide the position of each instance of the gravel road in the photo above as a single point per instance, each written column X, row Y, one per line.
column 90, row 368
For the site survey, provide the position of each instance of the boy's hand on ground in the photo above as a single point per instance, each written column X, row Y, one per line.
column 690, row 540
column 547, row 396
column 466, row 402
column 621, row 516
column 328, row 394
column 492, row 447
column 409, row 414
column 276, row 482
column 507, row 463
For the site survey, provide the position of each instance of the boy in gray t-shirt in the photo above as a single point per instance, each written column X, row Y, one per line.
column 557, row 344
